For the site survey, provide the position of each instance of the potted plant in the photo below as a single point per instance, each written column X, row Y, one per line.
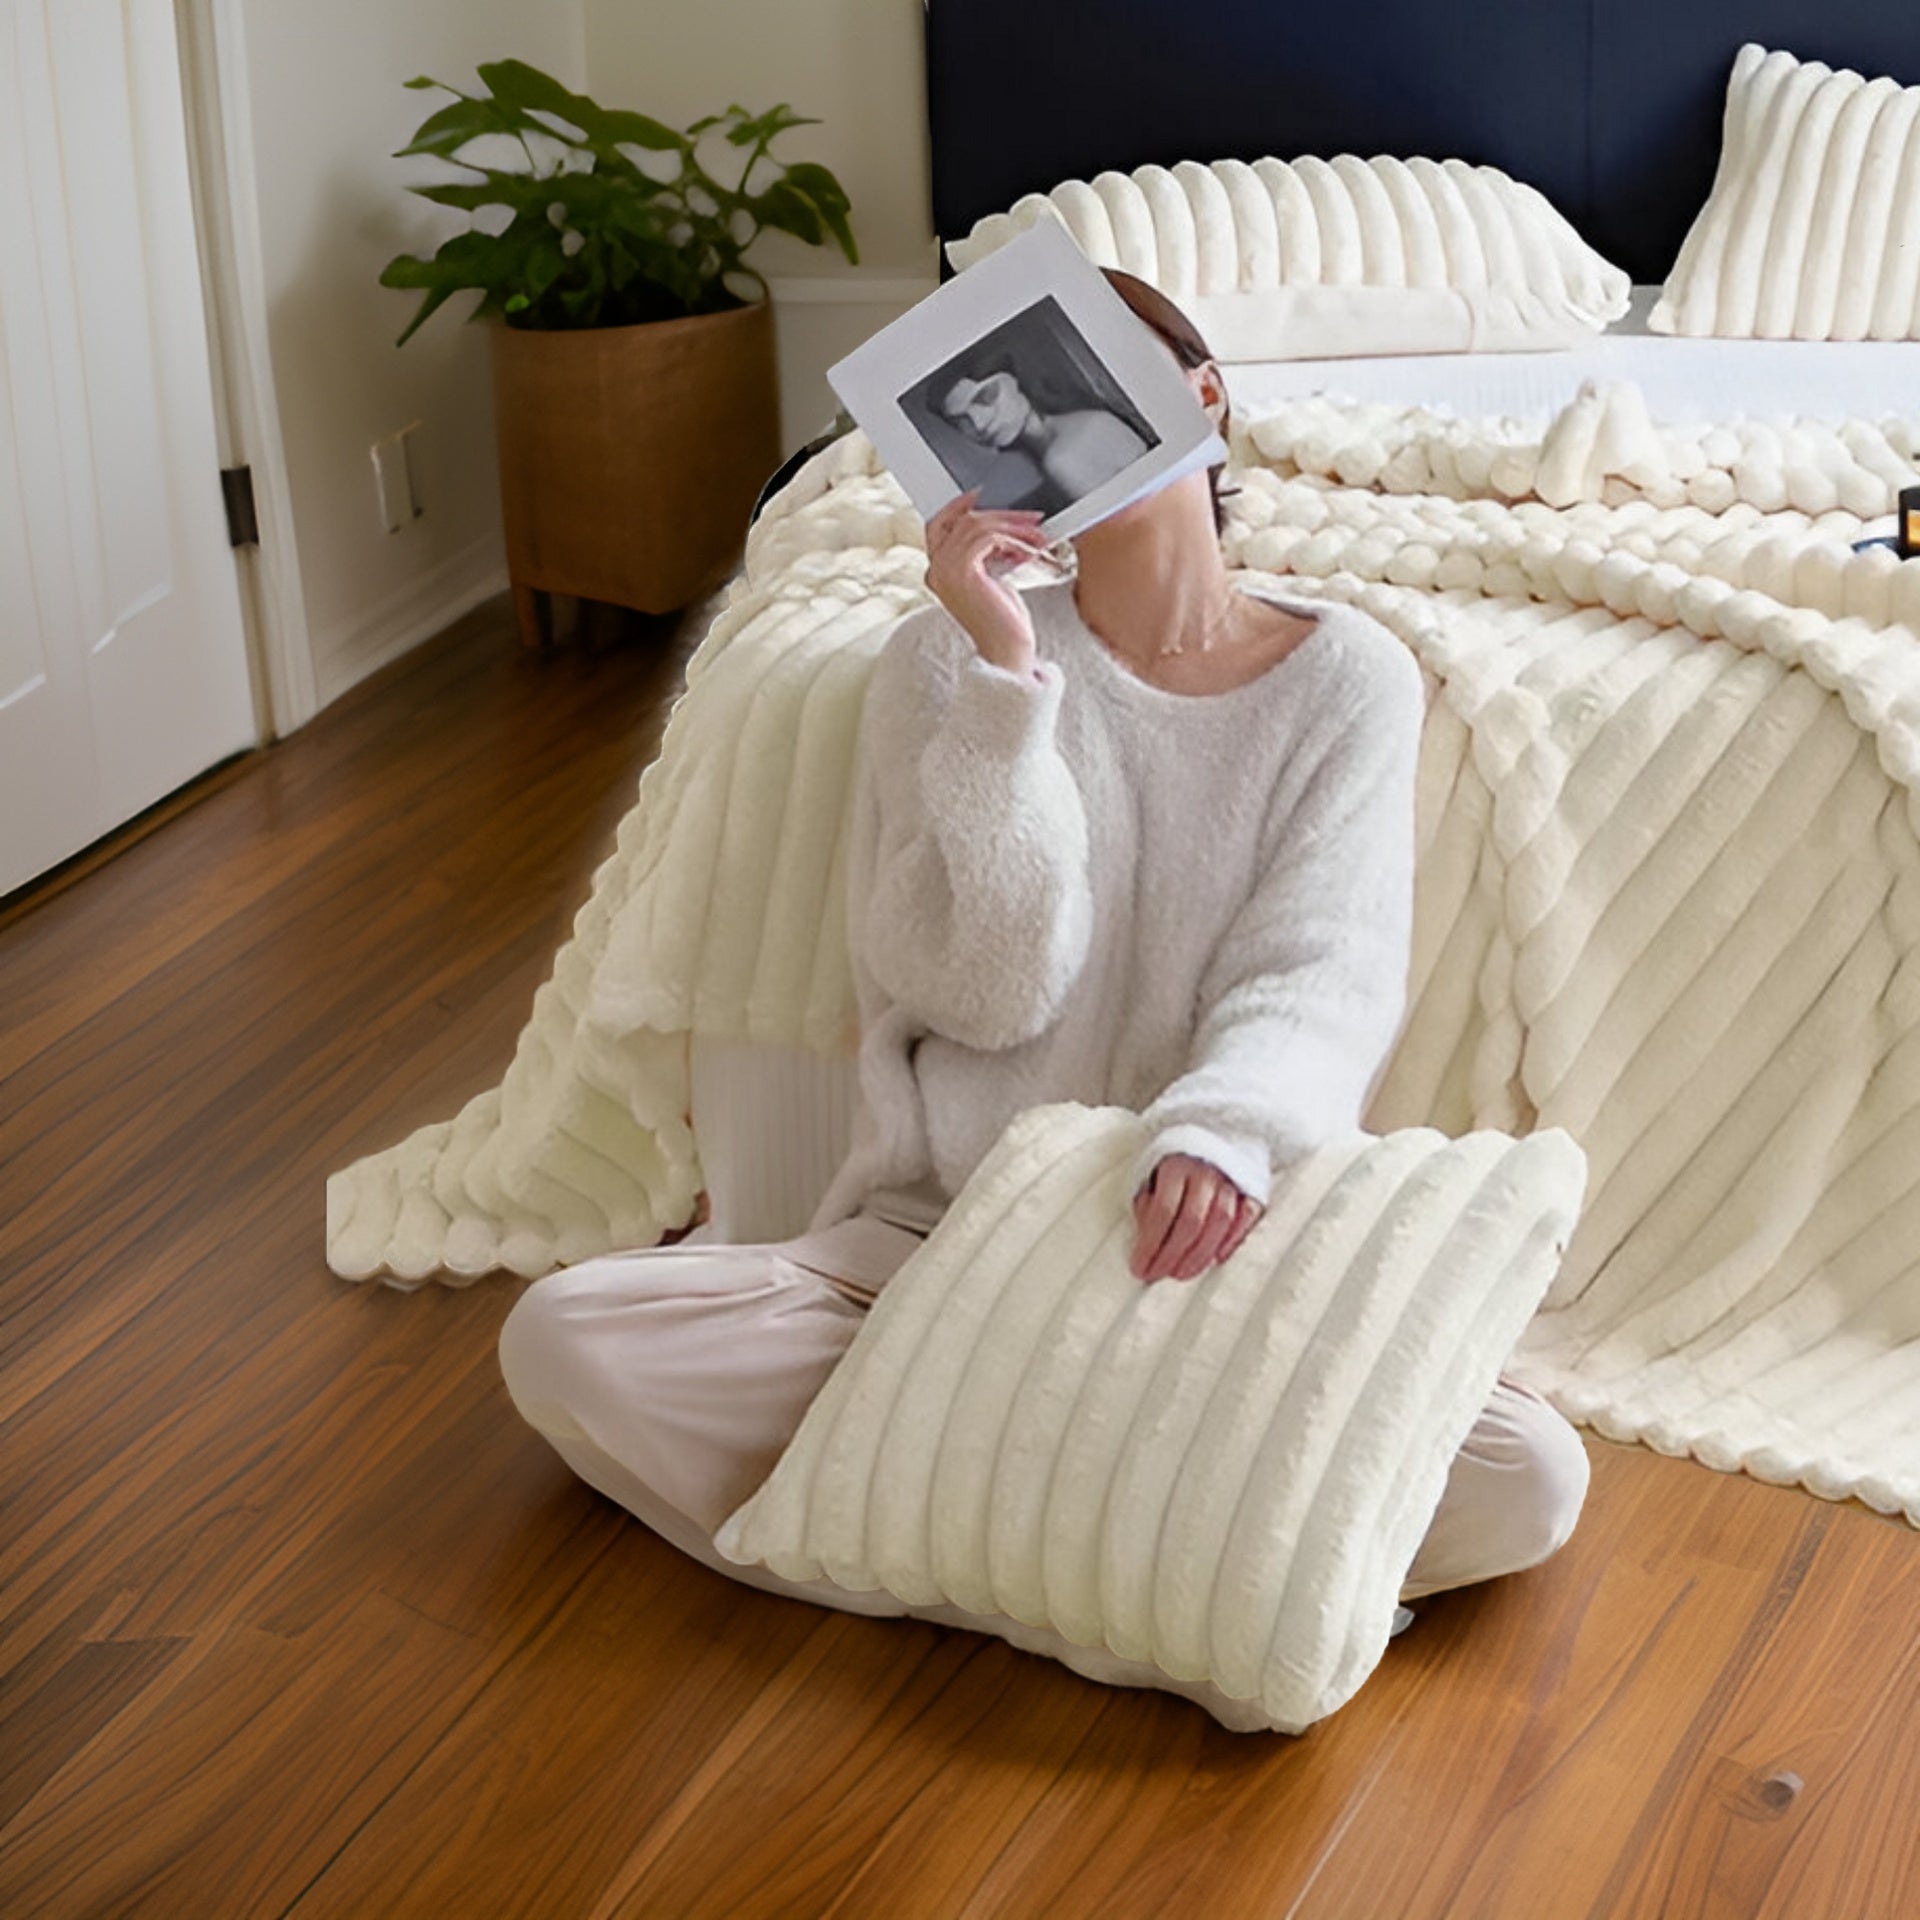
column 634, row 381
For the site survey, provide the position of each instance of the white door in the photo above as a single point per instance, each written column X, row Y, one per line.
column 123, row 667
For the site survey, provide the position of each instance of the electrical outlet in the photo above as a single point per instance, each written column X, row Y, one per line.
column 395, row 476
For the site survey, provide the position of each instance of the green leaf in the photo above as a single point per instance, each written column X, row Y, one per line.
column 788, row 210
column 637, row 130
column 438, row 284
column 447, row 131
column 515, row 84
column 830, row 200
column 498, row 189
column 528, row 90
column 757, row 130
column 544, row 265
column 818, row 184
column 431, row 305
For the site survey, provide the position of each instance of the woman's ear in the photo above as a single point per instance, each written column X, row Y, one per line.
column 1210, row 386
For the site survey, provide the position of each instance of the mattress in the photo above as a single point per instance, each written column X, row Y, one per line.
column 1682, row 379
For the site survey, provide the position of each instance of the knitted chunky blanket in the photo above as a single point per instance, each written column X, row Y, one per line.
column 1668, row 897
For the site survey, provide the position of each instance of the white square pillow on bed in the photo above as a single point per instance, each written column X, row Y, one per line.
column 1225, row 1478
column 1812, row 230
column 1321, row 259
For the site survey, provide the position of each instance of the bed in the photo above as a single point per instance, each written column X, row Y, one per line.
column 1681, row 379
column 1670, row 788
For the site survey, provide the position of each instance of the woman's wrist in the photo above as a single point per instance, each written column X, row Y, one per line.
column 1022, row 662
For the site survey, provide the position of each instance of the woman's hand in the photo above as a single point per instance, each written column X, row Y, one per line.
column 1187, row 1218
column 967, row 551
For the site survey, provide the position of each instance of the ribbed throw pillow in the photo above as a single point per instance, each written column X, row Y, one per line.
column 1812, row 230
column 1311, row 259
column 1226, row 1478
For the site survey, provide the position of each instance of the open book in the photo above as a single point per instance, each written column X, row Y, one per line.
column 1028, row 377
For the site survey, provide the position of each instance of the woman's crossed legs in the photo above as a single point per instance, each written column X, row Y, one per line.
column 673, row 1379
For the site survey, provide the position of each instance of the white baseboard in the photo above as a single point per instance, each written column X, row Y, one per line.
column 344, row 655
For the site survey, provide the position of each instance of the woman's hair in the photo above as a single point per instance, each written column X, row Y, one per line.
column 1183, row 338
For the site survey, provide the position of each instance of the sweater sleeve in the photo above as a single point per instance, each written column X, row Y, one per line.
column 1304, row 996
column 976, row 915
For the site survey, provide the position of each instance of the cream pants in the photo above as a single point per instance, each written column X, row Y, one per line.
column 672, row 1379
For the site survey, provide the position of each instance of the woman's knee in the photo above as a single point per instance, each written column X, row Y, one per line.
column 540, row 1348
column 1550, row 1490
column 687, row 1369
column 570, row 1337
column 1512, row 1500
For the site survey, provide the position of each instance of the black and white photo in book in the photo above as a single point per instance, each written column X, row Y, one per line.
column 1029, row 414
column 1027, row 377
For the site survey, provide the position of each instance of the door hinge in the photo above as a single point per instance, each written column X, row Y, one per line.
column 243, row 525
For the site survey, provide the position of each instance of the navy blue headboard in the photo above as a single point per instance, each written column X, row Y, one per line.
column 1610, row 107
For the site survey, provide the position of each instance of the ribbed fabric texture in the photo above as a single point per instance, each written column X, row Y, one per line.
column 773, row 1124
column 1217, row 237
column 1667, row 897
column 1228, row 1479
column 1812, row 230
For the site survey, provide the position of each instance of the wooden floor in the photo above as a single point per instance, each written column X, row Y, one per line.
column 299, row 1619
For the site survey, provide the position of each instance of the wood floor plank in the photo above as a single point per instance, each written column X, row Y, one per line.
column 55, row 1702
column 469, row 1524
column 247, row 1227
column 165, row 1503
column 1824, row 1694
column 297, row 1617
column 381, row 956
column 979, row 1735
column 590, row 1730
column 265, row 1763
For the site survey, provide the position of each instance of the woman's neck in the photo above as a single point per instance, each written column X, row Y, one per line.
column 1151, row 580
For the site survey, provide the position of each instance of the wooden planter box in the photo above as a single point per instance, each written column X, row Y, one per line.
column 630, row 457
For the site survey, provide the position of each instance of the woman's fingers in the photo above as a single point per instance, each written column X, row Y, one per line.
column 1179, row 1199
column 1011, row 551
column 1196, row 1203
column 981, row 530
column 1189, row 1217
column 949, row 528
column 956, row 509
column 1247, row 1216
column 1206, row 1250
column 988, row 549
column 1155, row 1208
column 968, row 550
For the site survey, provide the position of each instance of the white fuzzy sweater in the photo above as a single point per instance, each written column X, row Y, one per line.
column 1084, row 887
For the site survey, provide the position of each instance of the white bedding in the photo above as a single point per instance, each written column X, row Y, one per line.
column 1681, row 379
column 1669, row 898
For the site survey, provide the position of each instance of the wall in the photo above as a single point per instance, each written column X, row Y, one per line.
column 328, row 109
column 857, row 66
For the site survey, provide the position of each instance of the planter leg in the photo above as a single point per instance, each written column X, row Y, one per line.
column 534, row 611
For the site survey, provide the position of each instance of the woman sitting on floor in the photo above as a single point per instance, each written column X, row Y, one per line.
column 1144, row 838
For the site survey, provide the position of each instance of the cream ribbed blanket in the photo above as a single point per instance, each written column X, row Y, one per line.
column 1666, row 901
